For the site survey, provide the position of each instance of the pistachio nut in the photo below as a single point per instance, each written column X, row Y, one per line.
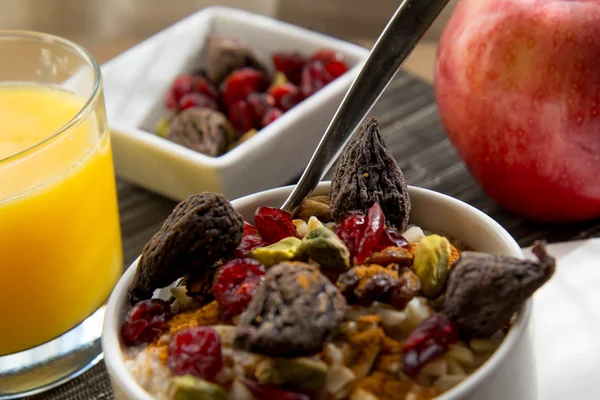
column 189, row 387
column 162, row 127
column 326, row 248
column 285, row 250
column 431, row 264
column 302, row 373
column 279, row 78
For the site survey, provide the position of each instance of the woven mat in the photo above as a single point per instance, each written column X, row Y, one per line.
column 412, row 129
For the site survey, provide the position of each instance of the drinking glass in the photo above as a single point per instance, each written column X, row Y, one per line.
column 60, row 241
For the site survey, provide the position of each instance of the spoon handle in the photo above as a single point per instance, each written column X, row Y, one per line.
column 402, row 33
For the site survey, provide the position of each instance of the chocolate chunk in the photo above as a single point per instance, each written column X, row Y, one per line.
column 485, row 290
column 294, row 312
column 223, row 55
column 367, row 173
column 201, row 230
column 201, row 129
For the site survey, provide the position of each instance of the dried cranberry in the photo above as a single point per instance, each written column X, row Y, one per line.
column 250, row 229
column 365, row 234
column 350, row 230
column 259, row 104
column 274, row 224
column 372, row 233
column 336, row 69
column 247, row 244
column 181, row 86
column 203, row 86
column 264, row 392
column 427, row 342
column 251, row 240
column 239, row 84
column 271, row 115
column 240, row 116
column 327, row 56
column 145, row 321
column 236, row 282
column 314, row 78
column 286, row 96
column 291, row 64
column 197, row 100
column 170, row 102
column 196, row 351
column 390, row 238
column 332, row 60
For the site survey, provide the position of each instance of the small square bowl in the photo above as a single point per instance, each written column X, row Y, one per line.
column 136, row 82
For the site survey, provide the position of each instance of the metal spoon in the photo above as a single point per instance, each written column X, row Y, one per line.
column 399, row 38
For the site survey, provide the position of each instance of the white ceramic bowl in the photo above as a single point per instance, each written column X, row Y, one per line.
column 508, row 374
column 135, row 84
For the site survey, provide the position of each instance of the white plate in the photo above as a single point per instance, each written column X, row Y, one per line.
column 135, row 84
column 566, row 324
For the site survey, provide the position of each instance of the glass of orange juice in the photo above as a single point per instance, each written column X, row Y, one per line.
column 60, row 243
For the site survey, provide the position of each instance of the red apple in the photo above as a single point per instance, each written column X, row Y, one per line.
column 517, row 83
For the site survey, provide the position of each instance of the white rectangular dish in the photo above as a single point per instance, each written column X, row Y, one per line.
column 135, row 84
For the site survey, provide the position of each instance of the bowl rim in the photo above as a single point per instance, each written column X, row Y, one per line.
column 112, row 348
column 292, row 117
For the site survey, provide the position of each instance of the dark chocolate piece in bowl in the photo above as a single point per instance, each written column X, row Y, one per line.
column 485, row 290
column 224, row 54
column 201, row 129
column 294, row 312
column 367, row 173
column 201, row 230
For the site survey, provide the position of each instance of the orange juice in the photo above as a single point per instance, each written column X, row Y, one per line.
column 60, row 245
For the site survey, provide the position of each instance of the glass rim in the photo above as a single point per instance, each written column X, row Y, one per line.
column 91, row 99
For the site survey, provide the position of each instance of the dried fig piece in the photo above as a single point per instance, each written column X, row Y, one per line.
column 368, row 173
column 201, row 230
column 199, row 285
column 317, row 206
column 294, row 312
column 485, row 290
column 200, row 129
column 224, row 54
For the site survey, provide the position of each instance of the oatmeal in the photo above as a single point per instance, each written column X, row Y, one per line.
column 342, row 300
